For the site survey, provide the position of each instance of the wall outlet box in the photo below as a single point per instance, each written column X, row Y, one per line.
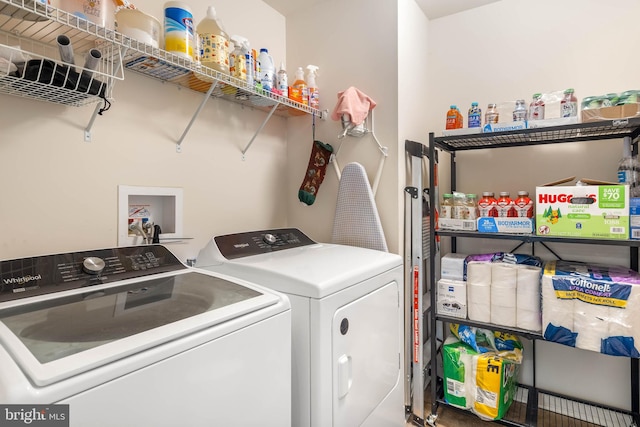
column 589, row 211
column 505, row 225
column 452, row 298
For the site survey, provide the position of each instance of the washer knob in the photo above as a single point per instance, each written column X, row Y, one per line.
column 269, row 239
column 93, row 265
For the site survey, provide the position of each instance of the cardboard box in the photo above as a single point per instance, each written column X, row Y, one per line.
column 634, row 218
column 452, row 266
column 505, row 225
column 463, row 131
column 457, row 224
column 559, row 121
column 452, row 298
column 611, row 113
column 504, row 127
column 588, row 211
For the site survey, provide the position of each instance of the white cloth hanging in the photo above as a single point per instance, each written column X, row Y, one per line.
column 357, row 222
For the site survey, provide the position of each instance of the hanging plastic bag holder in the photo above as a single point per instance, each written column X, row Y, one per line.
column 358, row 131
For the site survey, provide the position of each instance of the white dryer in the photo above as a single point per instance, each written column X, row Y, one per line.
column 347, row 322
column 132, row 337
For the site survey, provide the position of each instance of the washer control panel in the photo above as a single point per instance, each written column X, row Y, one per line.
column 260, row 242
column 26, row 277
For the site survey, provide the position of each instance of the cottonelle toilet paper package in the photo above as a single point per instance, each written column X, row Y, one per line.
column 593, row 307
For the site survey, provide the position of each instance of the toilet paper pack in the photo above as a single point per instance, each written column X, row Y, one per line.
column 593, row 307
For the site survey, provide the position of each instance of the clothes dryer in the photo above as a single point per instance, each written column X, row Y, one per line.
column 347, row 321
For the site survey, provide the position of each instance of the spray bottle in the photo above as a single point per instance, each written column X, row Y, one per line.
column 237, row 60
column 299, row 91
column 312, row 87
column 282, row 80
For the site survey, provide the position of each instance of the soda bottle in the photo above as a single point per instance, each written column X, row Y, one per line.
column 475, row 116
column 524, row 205
column 454, row 119
column 536, row 108
column 491, row 116
column 569, row 104
column 446, row 207
column 488, row 205
column 520, row 112
column 506, row 207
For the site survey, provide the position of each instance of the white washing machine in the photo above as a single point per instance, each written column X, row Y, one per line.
column 347, row 322
column 133, row 337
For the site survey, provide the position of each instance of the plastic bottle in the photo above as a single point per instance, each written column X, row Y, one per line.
column 446, row 207
column 569, row 104
column 492, row 115
column 298, row 91
column 179, row 37
column 475, row 116
column 506, row 207
column 459, row 206
column 520, row 112
column 214, row 42
column 248, row 58
column 488, row 205
column 454, row 118
column 267, row 69
column 536, row 108
column 312, row 86
column 282, row 81
column 471, row 202
column 237, row 59
column 524, row 205
column 629, row 169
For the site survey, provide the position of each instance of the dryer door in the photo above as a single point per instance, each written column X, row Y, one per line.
column 366, row 353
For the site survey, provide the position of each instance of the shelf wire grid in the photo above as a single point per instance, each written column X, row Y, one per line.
column 29, row 56
column 608, row 129
column 555, row 411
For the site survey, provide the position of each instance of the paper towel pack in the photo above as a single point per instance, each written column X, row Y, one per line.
column 591, row 306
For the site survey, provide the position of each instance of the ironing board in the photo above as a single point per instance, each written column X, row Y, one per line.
column 357, row 222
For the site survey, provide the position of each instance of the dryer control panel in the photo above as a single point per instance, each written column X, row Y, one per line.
column 27, row 277
column 260, row 242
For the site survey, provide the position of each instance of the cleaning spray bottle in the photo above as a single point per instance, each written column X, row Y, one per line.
column 237, row 61
column 312, row 87
column 299, row 91
column 282, row 81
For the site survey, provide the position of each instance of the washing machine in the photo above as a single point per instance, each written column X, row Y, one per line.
column 132, row 337
column 347, row 321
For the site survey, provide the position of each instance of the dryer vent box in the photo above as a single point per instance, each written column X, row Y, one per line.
column 150, row 206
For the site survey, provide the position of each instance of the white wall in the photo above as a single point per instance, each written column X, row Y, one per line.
column 509, row 50
column 354, row 42
column 59, row 193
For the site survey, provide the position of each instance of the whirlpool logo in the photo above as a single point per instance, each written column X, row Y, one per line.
column 34, row 415
column 22, row 280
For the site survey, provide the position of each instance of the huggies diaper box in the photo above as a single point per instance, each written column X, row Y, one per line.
column 588, row 211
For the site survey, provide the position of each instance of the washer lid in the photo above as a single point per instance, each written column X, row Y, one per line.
column 56, row 338
column 313, row 271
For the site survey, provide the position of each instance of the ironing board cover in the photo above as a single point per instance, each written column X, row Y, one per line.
column 357, row 222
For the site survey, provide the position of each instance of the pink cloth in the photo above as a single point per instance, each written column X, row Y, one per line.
column 355, row 103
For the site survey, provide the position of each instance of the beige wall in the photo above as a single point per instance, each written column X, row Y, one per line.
column 354, row 43
column 509, row 50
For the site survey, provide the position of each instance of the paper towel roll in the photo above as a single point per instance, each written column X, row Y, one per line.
column 529, row 320
column 590, row 322
column 504, row 275
column 503, row 297
column 528, row 289
column 479, row 312
column 555, row 311
column 479, row 273
column 504, row 316
column 479, row 294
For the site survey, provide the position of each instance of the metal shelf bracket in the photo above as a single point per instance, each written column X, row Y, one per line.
column 264, row 123
column 195, row 115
